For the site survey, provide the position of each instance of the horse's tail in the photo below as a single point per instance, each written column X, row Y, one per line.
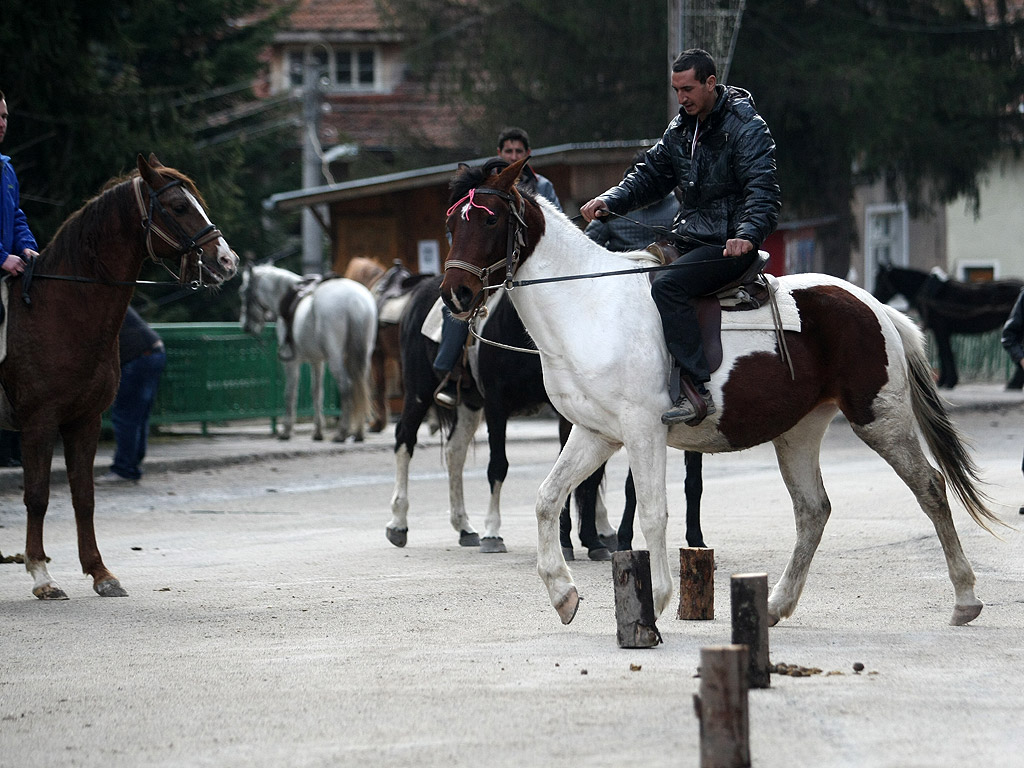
column 359, row 351
column 943, row 439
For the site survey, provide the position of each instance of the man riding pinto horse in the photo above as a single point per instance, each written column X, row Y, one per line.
column 719, row 151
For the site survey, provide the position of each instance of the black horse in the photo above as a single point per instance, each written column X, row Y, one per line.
column 948, row 307
column 508, row 383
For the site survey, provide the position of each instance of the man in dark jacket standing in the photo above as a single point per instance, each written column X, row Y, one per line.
column 719, row 151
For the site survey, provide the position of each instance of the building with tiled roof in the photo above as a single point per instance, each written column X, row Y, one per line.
column 367, row 100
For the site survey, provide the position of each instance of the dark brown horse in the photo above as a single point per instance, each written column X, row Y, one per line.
column 62, row 369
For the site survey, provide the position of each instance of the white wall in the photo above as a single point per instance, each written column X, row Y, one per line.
column 997, row 237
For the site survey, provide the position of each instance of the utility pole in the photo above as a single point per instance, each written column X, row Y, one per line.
column 312, row 232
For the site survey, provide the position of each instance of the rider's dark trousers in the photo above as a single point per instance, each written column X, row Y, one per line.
column 454, row 333
column 698, row 272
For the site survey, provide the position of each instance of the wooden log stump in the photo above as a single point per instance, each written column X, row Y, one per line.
column 696, row 584
column 721, row 707
column 749, row 598
column 634, row 599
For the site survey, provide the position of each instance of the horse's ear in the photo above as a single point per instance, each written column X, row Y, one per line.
column 508, row 177
column 147, row 172
column 153, row 161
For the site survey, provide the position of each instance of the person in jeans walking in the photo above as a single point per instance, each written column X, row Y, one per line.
column 142, row 362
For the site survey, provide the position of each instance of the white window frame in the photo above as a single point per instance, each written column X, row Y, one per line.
column 899, row 245
column 331, row 66
column 963, row 266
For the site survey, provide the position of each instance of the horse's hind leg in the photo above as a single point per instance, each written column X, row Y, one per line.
column 79, row 458
column 317, row 388
column 896, row 441
column 583, row 453
column 798, row 452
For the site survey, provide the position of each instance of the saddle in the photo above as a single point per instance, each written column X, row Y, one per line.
column 391, row 292
column 751, row 290
column 290, row 302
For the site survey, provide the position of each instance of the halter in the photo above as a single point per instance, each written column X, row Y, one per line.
column 183, row 244
column 515, row 242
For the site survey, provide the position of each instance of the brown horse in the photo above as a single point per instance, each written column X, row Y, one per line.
column 386, row 363
column 62, row 369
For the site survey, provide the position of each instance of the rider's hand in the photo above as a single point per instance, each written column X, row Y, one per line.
column 13, row 265
column 591, row 209
column 737, row 247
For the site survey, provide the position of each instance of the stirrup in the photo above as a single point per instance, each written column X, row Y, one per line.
column 448, row 393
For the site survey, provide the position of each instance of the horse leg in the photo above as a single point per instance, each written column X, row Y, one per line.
column 896, row 441
column 607, row 534
column 455, row 449
column 497, row 471
column 694, row 489
column 586, row 506
column 378, row 369
column 948, row 376
column 582, row 454
column 408, row 426
column 346, row 406
column 36, row 457
column 291, row 396
column 79, row 457
column 798, row 453
column 316, row 387
column 625, row 533
column 650, row 457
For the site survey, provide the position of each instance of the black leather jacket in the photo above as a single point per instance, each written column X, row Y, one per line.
column 729, row 186
column 1013, row 331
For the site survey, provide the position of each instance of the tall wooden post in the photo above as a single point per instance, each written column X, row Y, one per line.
column 634, row 599
column 722, row 709
column 749, row 598
column 696, row 584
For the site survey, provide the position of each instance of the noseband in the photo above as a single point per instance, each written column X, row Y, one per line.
column 515, row 242
column 183, row 244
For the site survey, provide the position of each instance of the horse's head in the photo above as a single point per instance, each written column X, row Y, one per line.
column 172, row 211
column 255, row 314
column 492, row 228
column 884, row 288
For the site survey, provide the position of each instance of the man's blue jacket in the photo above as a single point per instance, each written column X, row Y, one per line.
column 15, row 234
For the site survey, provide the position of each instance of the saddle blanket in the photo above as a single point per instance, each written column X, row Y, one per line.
column 391, row 309
column 760, row 319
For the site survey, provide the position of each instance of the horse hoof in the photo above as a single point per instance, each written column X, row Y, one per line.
column 318, row 438
column 467, row 539
column 772, row 619
column 600, row 554
column 568, row 554
column 492, row 545
column 962, row 614
column 110, row 588
column 611, row 542
column 284, row 437
column 397, row 536
column 50, row 592
column 358, row 438
column 568, row 607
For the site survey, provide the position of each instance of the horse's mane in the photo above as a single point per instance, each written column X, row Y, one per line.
column 470, row 177
column 70, row 247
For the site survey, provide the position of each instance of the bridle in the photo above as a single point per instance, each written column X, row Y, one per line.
column 515, row 241
column 183, row 244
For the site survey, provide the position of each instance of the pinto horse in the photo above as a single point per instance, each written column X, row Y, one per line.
column 335, row 322
column 61, row 370
column 610, row 377
column 511, row 384
column 949, row 307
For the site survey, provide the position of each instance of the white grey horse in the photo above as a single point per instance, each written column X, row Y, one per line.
column 334, row 322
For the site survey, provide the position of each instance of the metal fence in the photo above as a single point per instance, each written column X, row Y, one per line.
column 216, row 373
